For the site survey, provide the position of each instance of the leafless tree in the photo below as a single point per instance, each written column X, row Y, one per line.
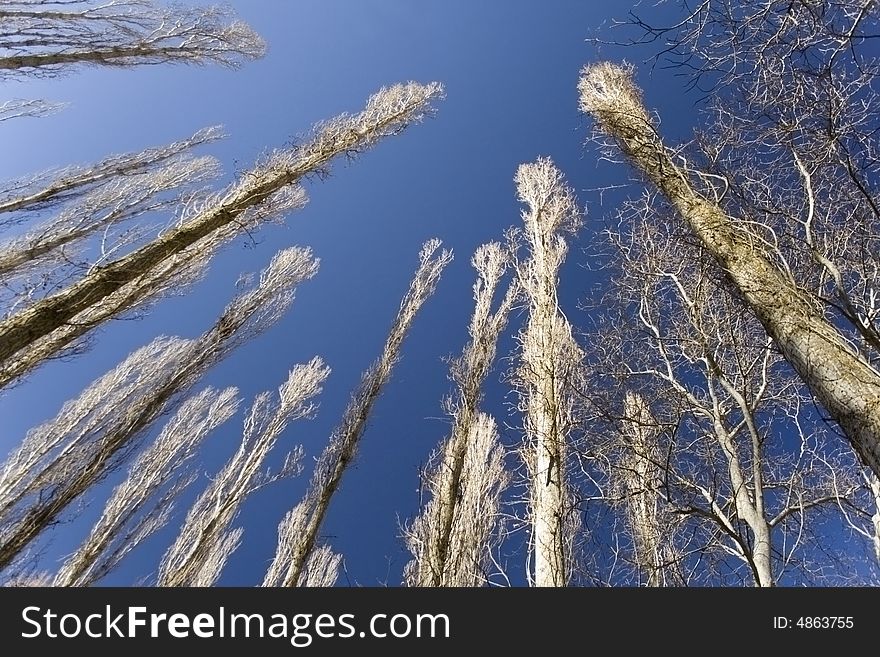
column 52, row 188
column 439, row 539
column 640, row 476
column 205, row 541
column 725, row 474
column 46, row 37
column 549, row 361
column 19, row 107
column 796, row 91
column 474, row 525
column 61, row 459
column 41, row 260
column 833, row 367
column 270, row 189
column 298, row 532
column 125, row 522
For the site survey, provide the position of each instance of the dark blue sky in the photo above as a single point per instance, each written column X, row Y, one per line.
column 510, row 70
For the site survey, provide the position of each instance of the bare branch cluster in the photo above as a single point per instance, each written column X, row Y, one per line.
column 43, row 38
column 180, row 254
column 19, row 107
column 205, row 541
column 715, row 458
column 298, row 532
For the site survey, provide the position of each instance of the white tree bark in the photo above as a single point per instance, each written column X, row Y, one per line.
column 875, row 519
column 640, row 472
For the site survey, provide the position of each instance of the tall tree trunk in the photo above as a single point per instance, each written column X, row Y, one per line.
column 298, row 532
column 846, row 385
column 639, row 473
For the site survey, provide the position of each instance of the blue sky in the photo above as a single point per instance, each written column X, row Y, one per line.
column 510, row 70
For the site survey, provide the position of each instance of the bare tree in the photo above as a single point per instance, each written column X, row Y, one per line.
column 474, row 525
column 19, row 107
column 60, row 460
column 725, row 474
column 438, row 539
column 125, row 523
column 45, row 37
column 298, row 532
column 52, row 188
column 205, row 541
column 641, row 475
column 839, row 377
column 265, row 191
column 549, row 360
column 794, row 91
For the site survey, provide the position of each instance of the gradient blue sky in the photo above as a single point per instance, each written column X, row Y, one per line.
column 510, row 70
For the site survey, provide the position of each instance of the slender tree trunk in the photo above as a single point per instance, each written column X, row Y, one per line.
column 112, row 56
column 298, row 532
column 549, row 356
column 469, row 371
column 748, row 508
column 639, row 473
column 875, row 519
